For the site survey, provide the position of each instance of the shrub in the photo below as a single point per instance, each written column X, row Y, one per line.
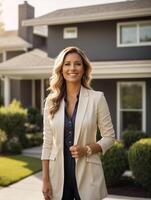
column 13, row 118
column 35, row 139
column 3, row 138
column 34, row 116
column 130, row 137
column 139, row 157
column 13, row 146
column 114, row 163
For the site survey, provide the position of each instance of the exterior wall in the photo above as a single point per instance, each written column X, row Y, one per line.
column 109, row 87
column 11, row 54
column 98, row 40
column 26, row 92
column 40, row 42
column 38, row 94
column 15, row 90
column 1, row 57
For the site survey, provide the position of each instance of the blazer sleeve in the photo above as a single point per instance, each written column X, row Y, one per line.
column 104, row 124
column 47, row 134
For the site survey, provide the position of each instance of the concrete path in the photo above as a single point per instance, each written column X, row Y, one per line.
column 30, row 187
column 33, row 152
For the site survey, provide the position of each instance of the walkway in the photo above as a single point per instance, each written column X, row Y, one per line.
column 30, row 187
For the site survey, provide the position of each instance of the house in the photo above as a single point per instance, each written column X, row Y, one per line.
column 117, row 39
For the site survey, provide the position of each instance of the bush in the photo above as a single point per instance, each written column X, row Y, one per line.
column 13, row 146
column 130, row 137
column 35, row 139
column 114, row 162
column 34, row 116
column 139, row 157
column 13, row 118
column 3, row 138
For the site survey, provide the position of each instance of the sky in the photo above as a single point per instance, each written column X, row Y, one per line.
column 10, row 8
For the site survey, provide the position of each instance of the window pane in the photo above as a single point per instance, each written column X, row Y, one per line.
column 131, row 121
column 145, row 32
column 128, row 34
column 70, row 32
column 131, row 96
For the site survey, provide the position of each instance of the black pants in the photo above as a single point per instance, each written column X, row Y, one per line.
column 70, row 191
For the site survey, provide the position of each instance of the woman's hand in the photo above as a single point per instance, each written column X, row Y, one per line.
column 78, row 151
column 47, row 190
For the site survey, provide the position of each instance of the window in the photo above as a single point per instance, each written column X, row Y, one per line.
column 131, row 106
column 134, row 34
column 41, row 30
column 70, row 33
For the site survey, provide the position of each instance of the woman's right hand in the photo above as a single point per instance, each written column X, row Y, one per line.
column 47, row 190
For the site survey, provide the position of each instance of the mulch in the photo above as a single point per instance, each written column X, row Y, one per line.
column 130, row 189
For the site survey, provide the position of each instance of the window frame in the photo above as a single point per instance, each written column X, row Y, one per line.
column 138, row 43
column 143, row 85
column 69, row 28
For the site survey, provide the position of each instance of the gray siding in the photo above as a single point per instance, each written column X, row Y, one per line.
column 26, row 92
column 15, row 90
column 40, row 42
column 109, row 87
column 1, row 57
column 98, row 40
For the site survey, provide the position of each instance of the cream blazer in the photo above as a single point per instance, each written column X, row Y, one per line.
column 92, row 112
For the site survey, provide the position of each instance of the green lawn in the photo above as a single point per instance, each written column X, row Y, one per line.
column 14, row 168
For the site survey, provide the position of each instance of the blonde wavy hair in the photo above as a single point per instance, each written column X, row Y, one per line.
column 57, row 81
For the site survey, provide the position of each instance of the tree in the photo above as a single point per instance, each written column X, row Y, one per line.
column 1, row 21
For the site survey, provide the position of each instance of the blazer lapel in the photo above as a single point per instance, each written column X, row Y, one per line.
column 59, row 123
column 83, row 100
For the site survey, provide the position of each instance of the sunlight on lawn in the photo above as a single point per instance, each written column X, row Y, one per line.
column 14, row 168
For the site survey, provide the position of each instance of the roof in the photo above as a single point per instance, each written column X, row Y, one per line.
column 9, row 40
column 27, row 65
column 36, row 65
column 126, row 9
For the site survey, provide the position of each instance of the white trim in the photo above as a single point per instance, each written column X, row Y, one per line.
column 16, row 48
column 42, row 95
column 144, row 107
column 88, row 18
column 118, row 113
column 103, row 70
column 6, row 91
column 141, row 83
column 33, row 93
column 69, row 36
column 138, row 43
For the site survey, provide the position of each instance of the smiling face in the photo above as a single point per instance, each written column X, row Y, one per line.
column 73, row 68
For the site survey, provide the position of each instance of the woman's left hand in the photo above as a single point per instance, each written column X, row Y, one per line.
column 78, row 151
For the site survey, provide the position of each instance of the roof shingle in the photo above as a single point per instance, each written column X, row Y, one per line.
column 130, row 8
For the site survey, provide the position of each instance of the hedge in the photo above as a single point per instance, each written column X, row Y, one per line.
column 13, row 118
column 139, row 157
column 130, row 137
column 114, row 163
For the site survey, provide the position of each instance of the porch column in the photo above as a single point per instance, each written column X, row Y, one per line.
column 33, row 93
column 6, row 91
column 42, row 95
column 4, row 56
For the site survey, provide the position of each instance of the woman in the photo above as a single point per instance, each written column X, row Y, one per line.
column 71, row 164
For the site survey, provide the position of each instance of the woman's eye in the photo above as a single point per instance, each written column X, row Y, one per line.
column 67, row 64
column 78, row 64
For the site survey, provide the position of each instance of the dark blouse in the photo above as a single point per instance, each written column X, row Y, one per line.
column 69, row 125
